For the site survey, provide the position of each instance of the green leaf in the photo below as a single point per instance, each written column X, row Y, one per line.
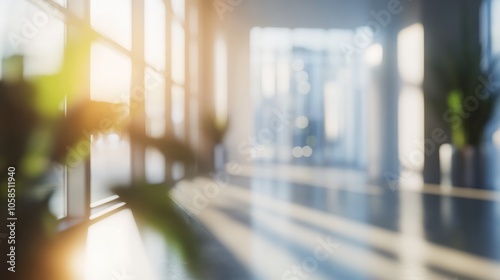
column 456, row 107
column 151, row 205
column 69, row 82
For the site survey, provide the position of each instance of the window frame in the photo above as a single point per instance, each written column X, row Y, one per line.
column 76, row 13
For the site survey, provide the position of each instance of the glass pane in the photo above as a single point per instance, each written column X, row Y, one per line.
column 155, row 125
column 154, row 35
column 495, row 26
column 178, row 52
column 194, row 123
column 179, row 7
column 110, row 153
column 57, row 178
column 44, row 53
column 110, row 74
column 33, row 33
column 178, row 110
column 221, row 81
column 113, row 18
column 155, row 166
column 155, row 103
column 11, row 32
column 110, row 164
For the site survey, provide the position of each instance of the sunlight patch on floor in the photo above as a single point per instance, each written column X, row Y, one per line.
column 115, row 251
column 285, row 220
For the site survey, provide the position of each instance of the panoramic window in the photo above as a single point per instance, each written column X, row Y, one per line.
column 113, row 62
column 306, row 72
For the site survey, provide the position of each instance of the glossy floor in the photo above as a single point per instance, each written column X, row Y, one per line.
column 283, row 222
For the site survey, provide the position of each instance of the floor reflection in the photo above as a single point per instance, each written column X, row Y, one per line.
column 265, row 226
column 272, row 226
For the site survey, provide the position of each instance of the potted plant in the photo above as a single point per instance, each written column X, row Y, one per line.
column 470, row 105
